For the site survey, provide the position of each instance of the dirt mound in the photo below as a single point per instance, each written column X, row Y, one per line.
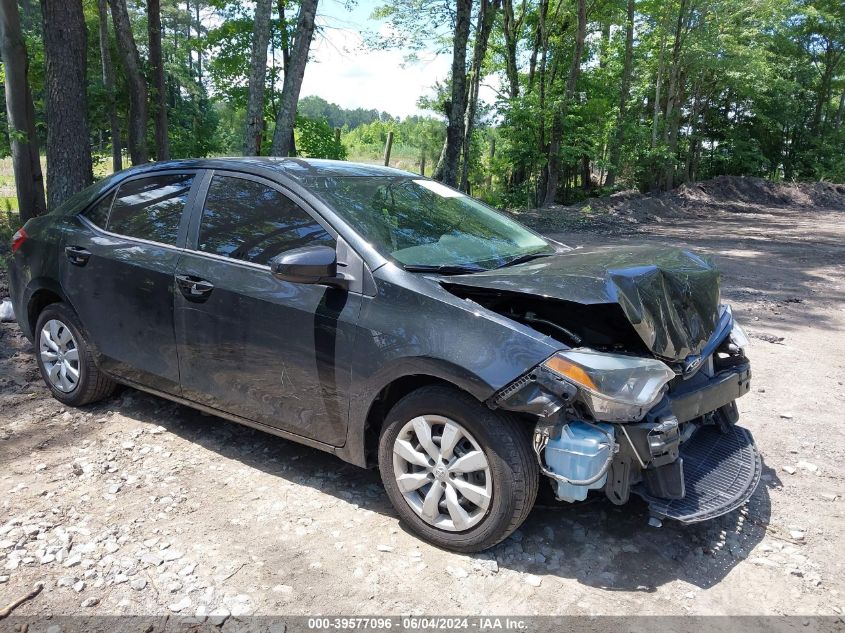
column 723, row 194
column 757, row 191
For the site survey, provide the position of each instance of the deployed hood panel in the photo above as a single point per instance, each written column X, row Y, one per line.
column 669, row 296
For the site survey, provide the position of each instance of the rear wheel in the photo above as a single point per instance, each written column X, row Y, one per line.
column 460, row 475
column 65, row 360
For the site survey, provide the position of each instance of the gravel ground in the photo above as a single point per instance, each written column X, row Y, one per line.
column 140, row 506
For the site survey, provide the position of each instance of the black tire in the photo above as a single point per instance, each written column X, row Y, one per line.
column 92, row 385
column 506, row 443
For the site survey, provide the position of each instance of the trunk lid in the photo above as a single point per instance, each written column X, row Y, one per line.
column 670, row 296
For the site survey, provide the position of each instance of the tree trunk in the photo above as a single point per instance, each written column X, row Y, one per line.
column 838, row 123
column 69, row 168
column 624, row 95
column 108, row 82
column 257, row 78
column 511, row 27
column 199, row 38
column 283, row 142
column 655, row 119
column 486, row 17
column 447, row 170
column 671, row 119
column 157, row 73
column 138, row 113
column 283, row 24
column 29, row 182
column 831, row 61
column 560, row 112
column 188, row 39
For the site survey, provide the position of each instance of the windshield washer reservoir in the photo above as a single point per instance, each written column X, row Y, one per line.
column 579, row 454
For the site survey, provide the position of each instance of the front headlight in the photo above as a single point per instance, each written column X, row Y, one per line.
column 739, row 339
column 616, row 388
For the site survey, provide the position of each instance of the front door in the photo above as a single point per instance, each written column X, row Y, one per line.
column 271, row 351
column 117, row 271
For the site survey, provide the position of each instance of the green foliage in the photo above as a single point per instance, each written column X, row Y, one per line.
column 313, row 107
column 758, row 88
column 414, row 138
column 315, row 138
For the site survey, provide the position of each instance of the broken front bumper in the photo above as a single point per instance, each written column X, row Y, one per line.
column 686, row 458
column 721, row 469
column 716, row 465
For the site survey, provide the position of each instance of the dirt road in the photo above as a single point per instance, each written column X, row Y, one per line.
column 140, row 506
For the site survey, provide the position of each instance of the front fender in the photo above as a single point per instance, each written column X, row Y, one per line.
column 417, row 328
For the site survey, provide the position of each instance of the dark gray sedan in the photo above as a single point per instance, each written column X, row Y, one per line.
column 397, row 323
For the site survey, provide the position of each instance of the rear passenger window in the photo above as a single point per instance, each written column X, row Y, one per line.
column 244, row 219
column 99, row 213
column 151, row 208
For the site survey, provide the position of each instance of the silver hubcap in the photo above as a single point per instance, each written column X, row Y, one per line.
column 60, row 355
column 442, row 473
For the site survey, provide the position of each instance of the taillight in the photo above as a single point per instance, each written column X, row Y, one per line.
column 18, row 239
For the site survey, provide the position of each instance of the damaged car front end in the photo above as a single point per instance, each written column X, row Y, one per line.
column 643, row 400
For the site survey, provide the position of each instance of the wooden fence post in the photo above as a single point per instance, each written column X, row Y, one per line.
column 490, row 166
column 422, row 165
column 387, row 147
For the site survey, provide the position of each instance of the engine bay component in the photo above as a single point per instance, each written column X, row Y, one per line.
column 577, row 458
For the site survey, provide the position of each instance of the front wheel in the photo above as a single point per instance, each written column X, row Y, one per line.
column 460, row 475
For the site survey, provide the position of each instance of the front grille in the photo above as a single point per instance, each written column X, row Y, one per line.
column 721, row 472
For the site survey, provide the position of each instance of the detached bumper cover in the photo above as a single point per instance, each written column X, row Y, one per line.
column 721, row 472
column 702, row 395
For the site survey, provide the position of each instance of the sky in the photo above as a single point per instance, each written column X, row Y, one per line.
column 344, row 72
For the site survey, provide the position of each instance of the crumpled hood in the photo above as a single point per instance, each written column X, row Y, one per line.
column 670, row 296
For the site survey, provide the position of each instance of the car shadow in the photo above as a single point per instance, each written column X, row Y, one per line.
column 593, row 542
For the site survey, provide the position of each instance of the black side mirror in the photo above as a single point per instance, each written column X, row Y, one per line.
column 308, row 265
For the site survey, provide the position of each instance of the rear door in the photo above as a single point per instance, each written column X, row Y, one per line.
column 118, row 273
column 271, row 351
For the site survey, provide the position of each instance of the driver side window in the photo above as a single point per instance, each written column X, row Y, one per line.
column 247, row 220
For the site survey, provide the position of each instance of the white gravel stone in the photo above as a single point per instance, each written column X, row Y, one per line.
column 789, row 470
column 151, row 558
column 79, row 586
column 241, row 605
column 183, row 604
column 486, row 567
column 171, row 554
column 797, row 535
column 457, row 572
column 384, row 548
column 73, row 560
column 4, row 579
column 218, row 616
column 534, row 581
column 90, row 602
column 138, row 583
column 808, row 466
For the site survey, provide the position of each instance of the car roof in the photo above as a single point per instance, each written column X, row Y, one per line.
column 299, row 169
